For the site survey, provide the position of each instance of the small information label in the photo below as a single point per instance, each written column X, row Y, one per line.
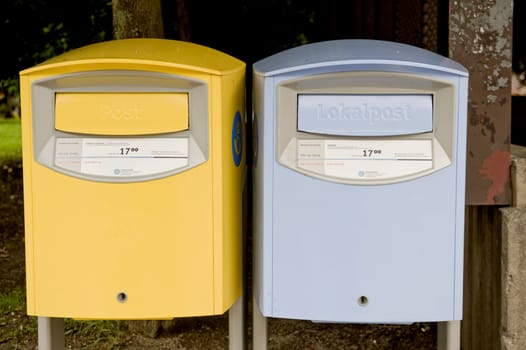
column 121, row 157
column 362, row 160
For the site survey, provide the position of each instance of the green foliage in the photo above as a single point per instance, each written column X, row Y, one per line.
column 10, row 141
column 35, row 30
column 55, row 47
column 9, row 89
column 13, row 301
column 9, row 85
column 96, row 332
column 12, row 309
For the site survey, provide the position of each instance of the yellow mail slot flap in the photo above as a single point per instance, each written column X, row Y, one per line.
column 121, row 113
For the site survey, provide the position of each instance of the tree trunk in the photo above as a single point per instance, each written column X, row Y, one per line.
column 137, row 19
column 183, row 19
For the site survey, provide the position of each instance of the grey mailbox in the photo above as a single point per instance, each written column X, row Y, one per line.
column 359, row 177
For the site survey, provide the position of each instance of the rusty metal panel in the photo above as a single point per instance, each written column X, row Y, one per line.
column 480, row 37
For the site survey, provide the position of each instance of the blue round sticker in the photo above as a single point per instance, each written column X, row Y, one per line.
column 237, row 139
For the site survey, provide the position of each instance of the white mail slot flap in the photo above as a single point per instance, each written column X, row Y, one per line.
column 121, row 113
column 365, row 115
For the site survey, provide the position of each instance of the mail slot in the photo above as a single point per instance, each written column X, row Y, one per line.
column 133, row 180
column 359, row 172
column 365, row 115
column 121, row 113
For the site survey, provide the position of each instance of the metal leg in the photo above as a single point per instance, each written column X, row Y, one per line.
column 259, row 328
column 50, row 333
column 449, row 335
column 236, row 325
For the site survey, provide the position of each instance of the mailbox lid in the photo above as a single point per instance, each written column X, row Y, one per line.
column 346, row 52
column 126, row 113
column 160, row 52
column 365, row 114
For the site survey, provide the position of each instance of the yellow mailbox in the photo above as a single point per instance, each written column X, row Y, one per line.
column 133, row 178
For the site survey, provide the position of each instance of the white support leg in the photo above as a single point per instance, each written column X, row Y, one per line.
column 236, row 325
column 50, row 333
column 449, row 335
column 259, row 328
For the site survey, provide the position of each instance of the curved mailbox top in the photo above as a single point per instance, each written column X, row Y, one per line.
column 355, row 52
column 163, row 52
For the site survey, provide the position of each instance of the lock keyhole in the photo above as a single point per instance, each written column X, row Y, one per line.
column 122, row 297
column 363, row 300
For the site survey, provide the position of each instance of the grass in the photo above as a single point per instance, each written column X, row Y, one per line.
column 97, row 331
column 13, row 301
column 18, row 326
column 10, row 140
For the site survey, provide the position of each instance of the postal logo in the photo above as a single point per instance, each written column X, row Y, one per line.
column 237, row 139
column 363, row 113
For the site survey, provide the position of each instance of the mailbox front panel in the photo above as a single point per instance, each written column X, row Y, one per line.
column 135, row 250
column 115, row 234
column 346, row 254
column 359, row 186
column 133, row 191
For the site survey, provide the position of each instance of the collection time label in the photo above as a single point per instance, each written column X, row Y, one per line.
column 363, row 159
column 121, row 156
